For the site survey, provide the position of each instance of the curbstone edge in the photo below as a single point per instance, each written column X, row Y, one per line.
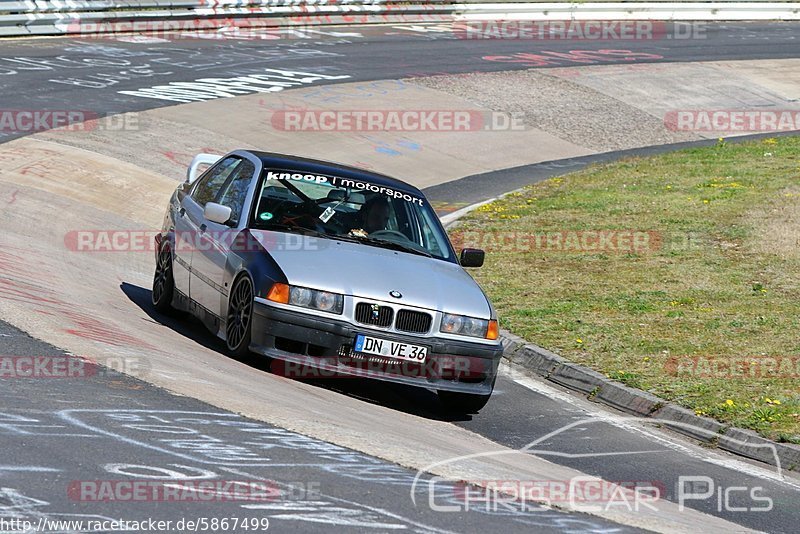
column 602, row 389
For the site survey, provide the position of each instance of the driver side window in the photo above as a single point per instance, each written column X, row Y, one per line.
column 209, row 185
column 235, row 192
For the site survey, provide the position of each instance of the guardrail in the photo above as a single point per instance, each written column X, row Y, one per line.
column 653, row 10
column 100, row 16
column 62, row 17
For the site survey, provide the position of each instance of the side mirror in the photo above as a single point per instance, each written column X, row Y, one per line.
column 472, row 257
column 200, row 160
column 217, row 213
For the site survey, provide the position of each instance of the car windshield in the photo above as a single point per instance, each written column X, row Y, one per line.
column 349, row 209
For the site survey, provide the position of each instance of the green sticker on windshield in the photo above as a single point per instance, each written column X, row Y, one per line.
column 265, row 216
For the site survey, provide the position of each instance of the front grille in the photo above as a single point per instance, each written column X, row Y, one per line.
column 413, row 321
column 365, row 314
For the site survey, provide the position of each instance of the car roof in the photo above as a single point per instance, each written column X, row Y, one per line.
column 272, row 160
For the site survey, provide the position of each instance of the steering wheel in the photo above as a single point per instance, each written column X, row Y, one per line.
column 389, row 233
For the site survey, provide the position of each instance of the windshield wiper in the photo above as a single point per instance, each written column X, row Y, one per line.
column 385, row 244
column 400, row 246
column 294, row 229
column 347, row 237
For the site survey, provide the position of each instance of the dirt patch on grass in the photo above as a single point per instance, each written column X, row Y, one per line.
column 777, row 226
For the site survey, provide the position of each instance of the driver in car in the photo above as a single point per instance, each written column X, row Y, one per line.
column 373, row 216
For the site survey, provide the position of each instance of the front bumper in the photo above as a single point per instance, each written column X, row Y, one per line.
column 316, row 347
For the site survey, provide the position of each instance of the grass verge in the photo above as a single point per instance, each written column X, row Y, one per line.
column 677, row 274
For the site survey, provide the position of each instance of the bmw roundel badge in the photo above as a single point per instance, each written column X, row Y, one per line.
column 396, row 294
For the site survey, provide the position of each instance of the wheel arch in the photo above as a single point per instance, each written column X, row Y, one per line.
column 257, row 263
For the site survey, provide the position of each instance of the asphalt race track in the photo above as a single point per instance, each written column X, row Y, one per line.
column 139, row 433
column 91, row 72
column 107, row 428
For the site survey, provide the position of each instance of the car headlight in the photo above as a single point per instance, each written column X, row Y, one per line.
column 469, row 326
column 306, row 298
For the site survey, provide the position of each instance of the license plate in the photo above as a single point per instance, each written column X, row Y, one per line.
column 390, row 349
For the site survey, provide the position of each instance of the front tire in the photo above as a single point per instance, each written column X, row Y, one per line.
column 462, row 403
column 239, row 320
column 163, row 283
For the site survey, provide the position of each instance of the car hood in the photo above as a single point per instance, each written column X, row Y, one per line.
column 371, row 272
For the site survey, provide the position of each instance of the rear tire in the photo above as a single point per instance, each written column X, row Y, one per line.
column 163, row 283
column 463, row 403
column 239, row 320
